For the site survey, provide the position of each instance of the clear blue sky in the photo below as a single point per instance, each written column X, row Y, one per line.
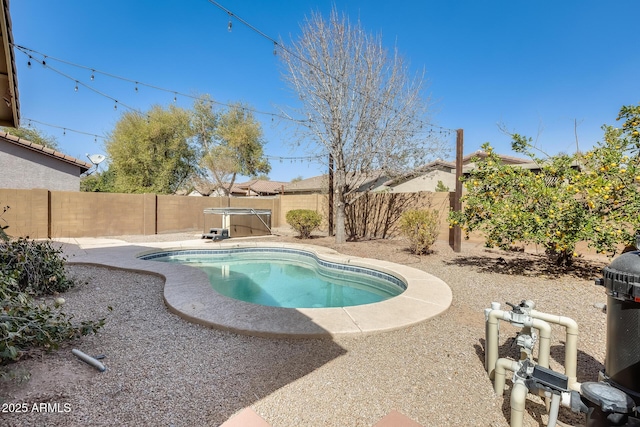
column 536, row 66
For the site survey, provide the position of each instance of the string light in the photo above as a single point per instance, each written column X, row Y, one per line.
column 27, row 51
column 291, row 159
column 307, row 122
column 230, row 23
column 64, row 129
column 293, row 54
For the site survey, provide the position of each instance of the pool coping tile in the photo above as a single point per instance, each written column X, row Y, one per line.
column 188, row 294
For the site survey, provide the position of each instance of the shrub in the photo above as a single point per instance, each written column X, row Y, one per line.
column 38, row 266
column 421, row 228
column 31, row 268
column 376, row 215
column 304, row 221
column 24, row 323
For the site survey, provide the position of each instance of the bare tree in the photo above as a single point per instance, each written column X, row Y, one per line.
column 361, row 107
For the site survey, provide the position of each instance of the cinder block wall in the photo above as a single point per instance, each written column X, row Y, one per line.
column 179, row 213
column 42, row 213
column 28, row 213
column 77, row 214
column 302, row 201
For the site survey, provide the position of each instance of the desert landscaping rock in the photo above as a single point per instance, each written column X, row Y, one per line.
column 165, row 371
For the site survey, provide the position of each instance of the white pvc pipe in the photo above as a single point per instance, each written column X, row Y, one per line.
column 491, row 342
column 492, row 338
column 570, row 346
column 544, row 339
column 518, row 398
column 502, row 366
column 553, row 412
column 90, row 360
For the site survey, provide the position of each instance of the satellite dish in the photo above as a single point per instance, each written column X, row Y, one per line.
column 96, row 159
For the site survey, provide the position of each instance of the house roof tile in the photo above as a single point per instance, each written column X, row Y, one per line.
column 84, row 166
column 262, row 186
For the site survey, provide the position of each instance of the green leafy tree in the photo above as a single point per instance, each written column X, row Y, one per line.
column 440, row 187
column 34, row 135
column 152, row 152
column 99, row 182
column 592, row 197
column 233, row 146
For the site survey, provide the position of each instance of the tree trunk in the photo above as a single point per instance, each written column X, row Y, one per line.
column 340, row 223
column 340, row 226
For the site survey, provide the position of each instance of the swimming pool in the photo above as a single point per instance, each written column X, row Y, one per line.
column 289, row 278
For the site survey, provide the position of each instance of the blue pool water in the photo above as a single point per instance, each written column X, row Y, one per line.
column 287, row 277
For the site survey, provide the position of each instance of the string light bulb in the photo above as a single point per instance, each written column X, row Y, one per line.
column 92, row 75
column 136, row 88
column 175, row 97
column 115, row 105
column 230, row 25
column 75, row 89
column 29, row 62
column 275, row 48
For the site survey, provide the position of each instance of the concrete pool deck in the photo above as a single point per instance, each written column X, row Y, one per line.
column 188, row 294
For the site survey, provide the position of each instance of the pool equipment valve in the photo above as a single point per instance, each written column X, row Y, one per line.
column 614, row 400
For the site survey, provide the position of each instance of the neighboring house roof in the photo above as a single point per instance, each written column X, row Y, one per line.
column 9, row 105
column 7, row 137
column 320, row 183
column 509, row 160
column 262, row 187
column 255, row 187
column 377, row 181
column 315, row 184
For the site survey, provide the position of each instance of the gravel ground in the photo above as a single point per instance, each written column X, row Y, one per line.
column 164, row 371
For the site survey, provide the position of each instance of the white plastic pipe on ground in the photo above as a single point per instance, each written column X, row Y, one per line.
column 90, row 360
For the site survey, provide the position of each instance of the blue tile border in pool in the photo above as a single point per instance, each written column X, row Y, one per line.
column 327, row 264
column 188, row 294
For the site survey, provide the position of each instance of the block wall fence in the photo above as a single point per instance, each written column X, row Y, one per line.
column 41, row 214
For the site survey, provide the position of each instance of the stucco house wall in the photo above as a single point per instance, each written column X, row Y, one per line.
column 24, row 165
column 427, row 182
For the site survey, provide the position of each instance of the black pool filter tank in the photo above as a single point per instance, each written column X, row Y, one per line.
column 619, row 407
